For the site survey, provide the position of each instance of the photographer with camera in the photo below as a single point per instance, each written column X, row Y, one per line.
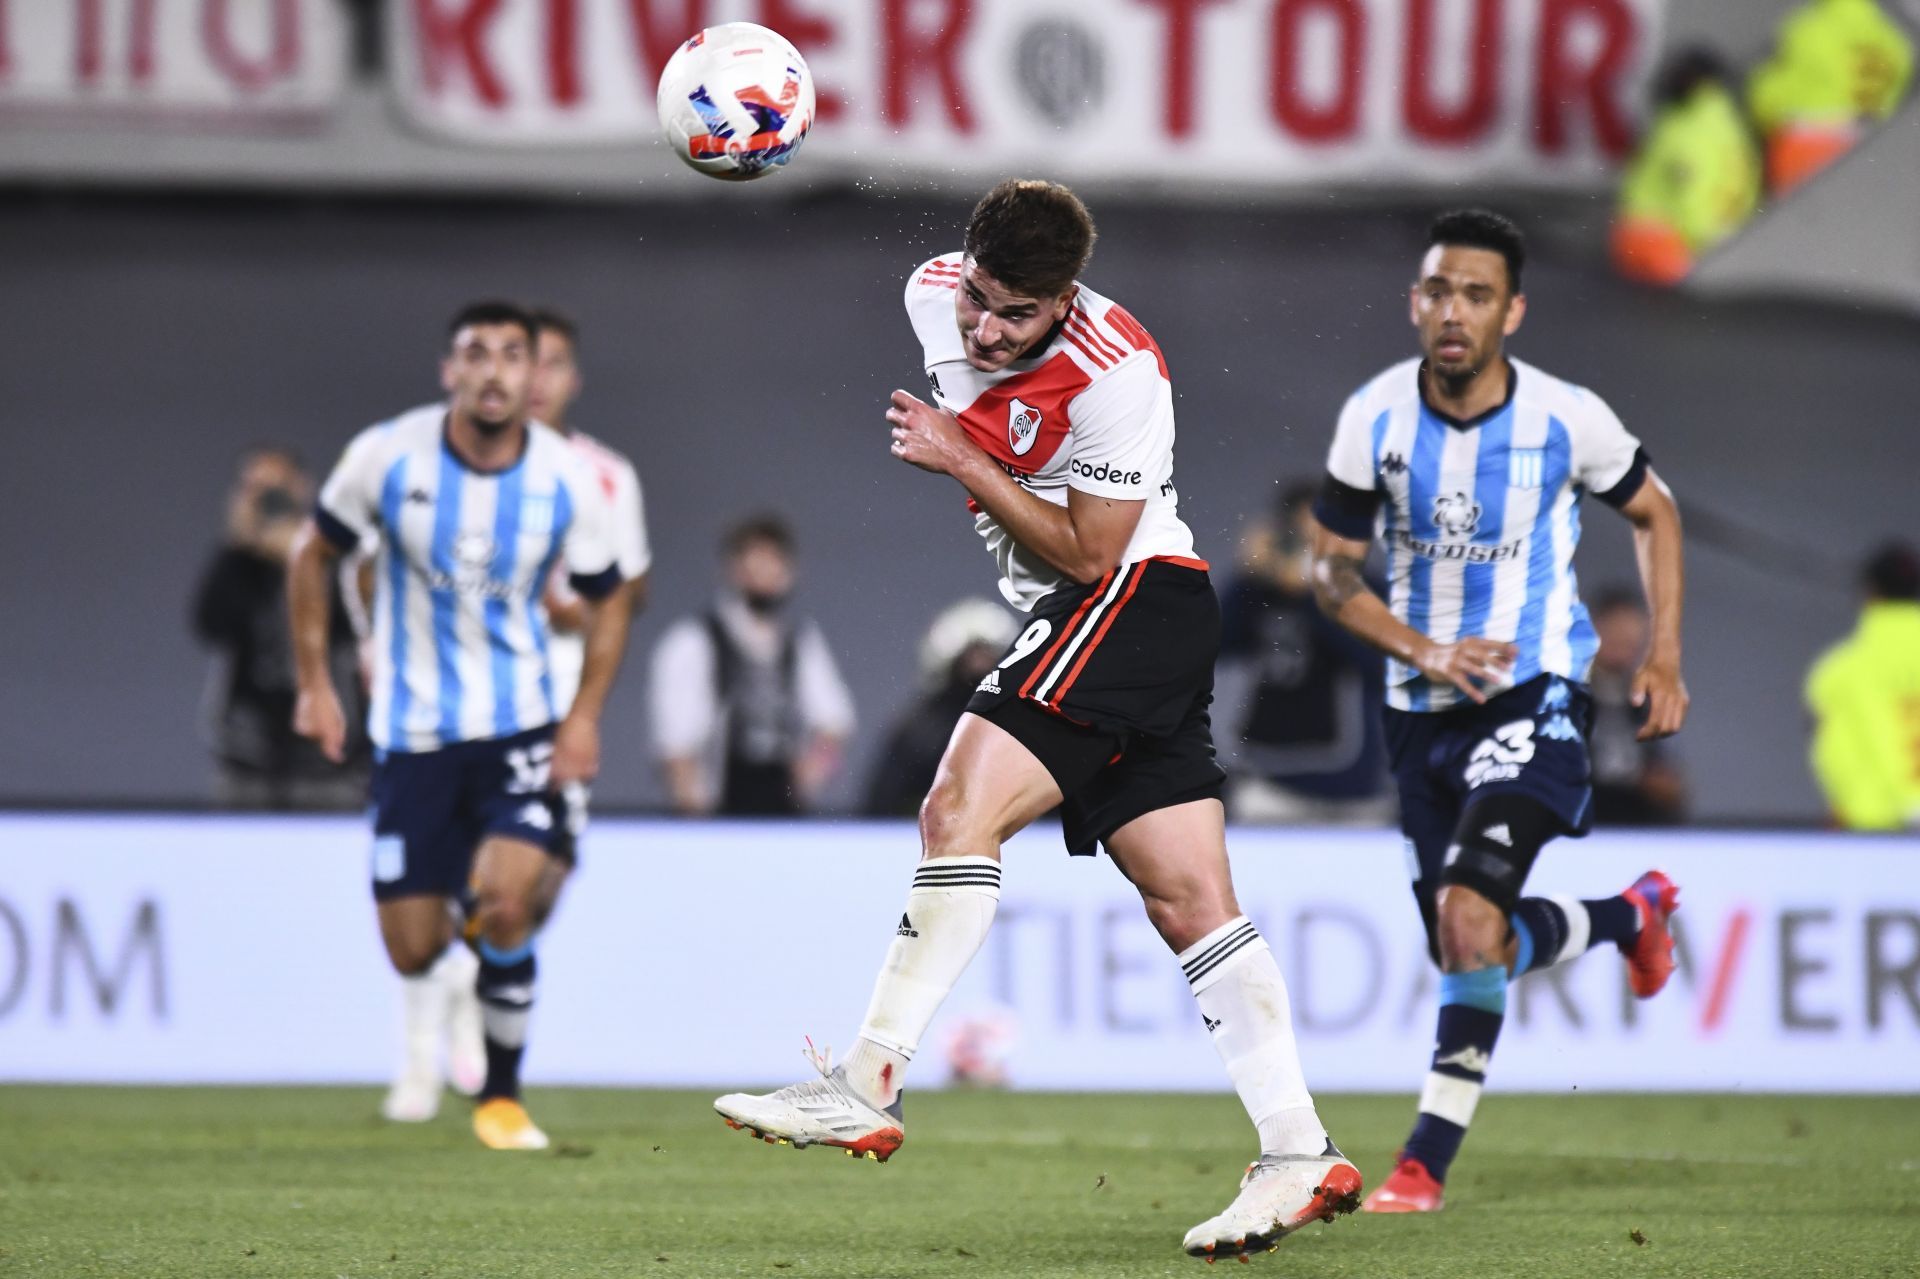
column 240, row 612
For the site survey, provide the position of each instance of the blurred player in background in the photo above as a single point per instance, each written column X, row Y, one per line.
column 473, row 505
column 440, row 1008
column 1478, row 463
column 1055, row 415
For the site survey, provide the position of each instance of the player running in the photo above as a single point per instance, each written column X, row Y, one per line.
column 1474, row 465
column 440, row 1007
column 1055, row 414
column 473, row 505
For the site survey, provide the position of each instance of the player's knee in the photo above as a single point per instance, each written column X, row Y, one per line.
column 1472, row 930
column 411, row 957
column 505, row 920
column 949, row 826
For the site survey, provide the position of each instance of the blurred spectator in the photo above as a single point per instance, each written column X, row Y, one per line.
column 1696, row 177
column 1309, row 746
column 750, row 714
column 963, row 644
column 1864, row 693
column 240, row 611
column 1635, row 783
column 1837, row 66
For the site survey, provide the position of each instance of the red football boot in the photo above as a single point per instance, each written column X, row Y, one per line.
column 1650, row 958
column 1409, row 1188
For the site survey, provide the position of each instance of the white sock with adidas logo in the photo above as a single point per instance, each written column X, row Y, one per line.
column 1243, row 1000
column 949, row 911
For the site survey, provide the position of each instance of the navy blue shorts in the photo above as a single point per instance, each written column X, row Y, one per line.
column 1530, row 740
column 432, row 809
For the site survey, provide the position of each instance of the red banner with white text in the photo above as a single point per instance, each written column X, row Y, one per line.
column 234, row 61
column 1244, row 92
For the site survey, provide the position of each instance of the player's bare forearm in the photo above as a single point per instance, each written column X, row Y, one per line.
column 1658, row 686
column 310, row 568
column 1340, row 589
column 609, row 620
column 1657, row 547
column 1054, row 533
column 1082, row 540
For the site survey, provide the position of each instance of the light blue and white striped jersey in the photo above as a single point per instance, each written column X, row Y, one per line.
column 460, row 642
column 1480, row 519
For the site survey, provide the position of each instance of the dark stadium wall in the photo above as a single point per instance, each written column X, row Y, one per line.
column 742, row 352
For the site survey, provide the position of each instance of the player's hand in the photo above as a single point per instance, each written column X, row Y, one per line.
column 576, row 752
column 318, row 718
column 1658, row 688
column 1467, row 664
column 929, row 438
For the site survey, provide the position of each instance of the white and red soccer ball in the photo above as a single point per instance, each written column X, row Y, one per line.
column 736, row 101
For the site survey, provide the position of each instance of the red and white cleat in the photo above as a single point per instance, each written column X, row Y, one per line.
column 1650, row 959
column 820, row 1112
column 1278, row 1195
column 1408, row 1188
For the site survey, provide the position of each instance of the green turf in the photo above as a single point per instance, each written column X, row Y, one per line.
column 256, row 1182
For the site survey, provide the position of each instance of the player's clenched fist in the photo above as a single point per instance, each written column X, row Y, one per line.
column 927, row 437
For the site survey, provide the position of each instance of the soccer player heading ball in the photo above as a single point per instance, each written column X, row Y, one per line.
column 1478, row 463
column 1053, row 410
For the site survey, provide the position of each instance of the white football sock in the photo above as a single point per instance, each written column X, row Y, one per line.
column 1243, row 998
column 424, row 1000
column 949, row 910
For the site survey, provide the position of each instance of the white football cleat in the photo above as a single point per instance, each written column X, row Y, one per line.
column 820, row 1112
column 1278, row 1195
column 414, row 1097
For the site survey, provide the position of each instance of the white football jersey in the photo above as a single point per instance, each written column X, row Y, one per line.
column 460, row 642
column 618, row 484
column 1092, row 410
column 1480, row 519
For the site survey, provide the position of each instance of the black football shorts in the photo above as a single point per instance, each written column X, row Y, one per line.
column 1108, row 685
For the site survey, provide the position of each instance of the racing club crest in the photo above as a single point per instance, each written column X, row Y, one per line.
column 1023, row 426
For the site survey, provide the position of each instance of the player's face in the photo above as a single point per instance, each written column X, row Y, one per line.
column 1464, row 309
column 556, row 379
column 998, row 326
column 487, row 375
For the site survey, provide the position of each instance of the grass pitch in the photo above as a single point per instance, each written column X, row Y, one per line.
column 307, row 1182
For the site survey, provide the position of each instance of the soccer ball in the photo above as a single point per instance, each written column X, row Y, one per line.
column 736, row 101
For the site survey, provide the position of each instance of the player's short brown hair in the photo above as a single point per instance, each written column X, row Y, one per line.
column 1032, row 236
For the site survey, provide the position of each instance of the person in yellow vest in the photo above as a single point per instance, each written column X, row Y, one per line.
column 1696, row 177
column 1837, row 66
column 1864, row 693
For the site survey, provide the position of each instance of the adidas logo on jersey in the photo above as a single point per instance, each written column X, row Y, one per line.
column 906, row 928
column 991, row 684
column 1213, row 1023
column 1499, row 835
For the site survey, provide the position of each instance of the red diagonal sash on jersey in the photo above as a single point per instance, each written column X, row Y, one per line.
column 1047, row 388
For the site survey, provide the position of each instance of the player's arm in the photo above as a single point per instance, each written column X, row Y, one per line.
column 1657, row 685
column 1083, row 540
column 1340, row 588
column 317, row 713
column 576, row 743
